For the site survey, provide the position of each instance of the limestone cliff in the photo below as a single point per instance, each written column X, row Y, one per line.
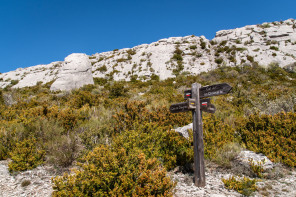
column 254, row 44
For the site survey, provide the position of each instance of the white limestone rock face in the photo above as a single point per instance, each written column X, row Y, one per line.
column 75, row 72
column 266, row 44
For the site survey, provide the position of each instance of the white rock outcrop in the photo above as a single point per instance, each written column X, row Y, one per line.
column 268, row 43
column 75, row 73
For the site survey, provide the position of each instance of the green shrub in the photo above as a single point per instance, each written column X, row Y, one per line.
column 68, row 117
column 14, row 82
column 217, row 135
column 154, row 77
column 273, row 136
column 91, row 57
column 227, row 153
column 100, row 81
column 109, row 172
column 266, row 25
column 232, row 59
column 203, row 45
column 26, row 156
column 121, row 60
column 7, row 142
column 219, row 60
column 243, row 185
column 256, row 50
column 98, row 129
column 250, row 58
column 178, row 68
column 140, row 128
column 224, row 42
column 25, row 183
column 193, row 47
column 1, row 98
column 178, row 51
column 102, row 69
column 213, row 42
column 131, row 52
column 62, row 151
column 117, row 90
column 171, row 148
column 274, row 48
column 136, row 113
column 238, row 41
column 241, row 49
column 177, row 57
column 61, row 148
column 257, row 167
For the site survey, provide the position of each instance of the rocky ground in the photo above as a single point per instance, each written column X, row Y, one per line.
column 35, row 182
column 279, row 181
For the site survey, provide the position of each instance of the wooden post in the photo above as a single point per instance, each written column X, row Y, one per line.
column 198, row 146
column 193, row 97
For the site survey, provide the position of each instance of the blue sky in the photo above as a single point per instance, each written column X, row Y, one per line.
column 36, row 32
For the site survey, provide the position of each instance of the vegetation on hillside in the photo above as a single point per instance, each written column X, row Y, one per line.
column 122, row 131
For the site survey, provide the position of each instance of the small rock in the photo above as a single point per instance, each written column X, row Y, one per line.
column 184, row 130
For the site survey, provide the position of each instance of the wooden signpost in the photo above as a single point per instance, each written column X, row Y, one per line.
column 205, row 105
column 197, row 102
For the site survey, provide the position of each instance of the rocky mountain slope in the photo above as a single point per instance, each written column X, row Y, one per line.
column 260, row 44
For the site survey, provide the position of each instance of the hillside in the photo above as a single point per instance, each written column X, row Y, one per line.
column 117, row 137
column 114, row 124
column 254, row 44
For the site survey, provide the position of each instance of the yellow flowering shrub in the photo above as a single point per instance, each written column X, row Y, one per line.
column 109, row 172
column 274, row 136
column 155, row 141
column 216, row 135
column 135, row 112
column 26, row 155
column 243, row 185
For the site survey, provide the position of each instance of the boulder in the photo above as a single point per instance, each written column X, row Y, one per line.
column 184, row 131
column 75, row 72
column 245, row 155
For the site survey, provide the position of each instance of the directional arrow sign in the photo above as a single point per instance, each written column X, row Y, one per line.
column 205, row 102
column 187, row 94
column 214, row 90
column 209, row 109
column 179, row 107
column 208, row 91
column 205, row 105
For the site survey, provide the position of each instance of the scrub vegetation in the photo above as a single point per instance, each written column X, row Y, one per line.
column 119, row 137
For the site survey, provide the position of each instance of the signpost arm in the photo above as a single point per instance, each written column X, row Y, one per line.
column 198, row 146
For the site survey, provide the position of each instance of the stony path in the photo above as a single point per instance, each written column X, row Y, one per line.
column 214, row 187
column 39, row 183
column 281, row 187
column 38, row 180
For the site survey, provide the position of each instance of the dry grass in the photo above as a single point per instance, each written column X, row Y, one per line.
column 226, row 154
